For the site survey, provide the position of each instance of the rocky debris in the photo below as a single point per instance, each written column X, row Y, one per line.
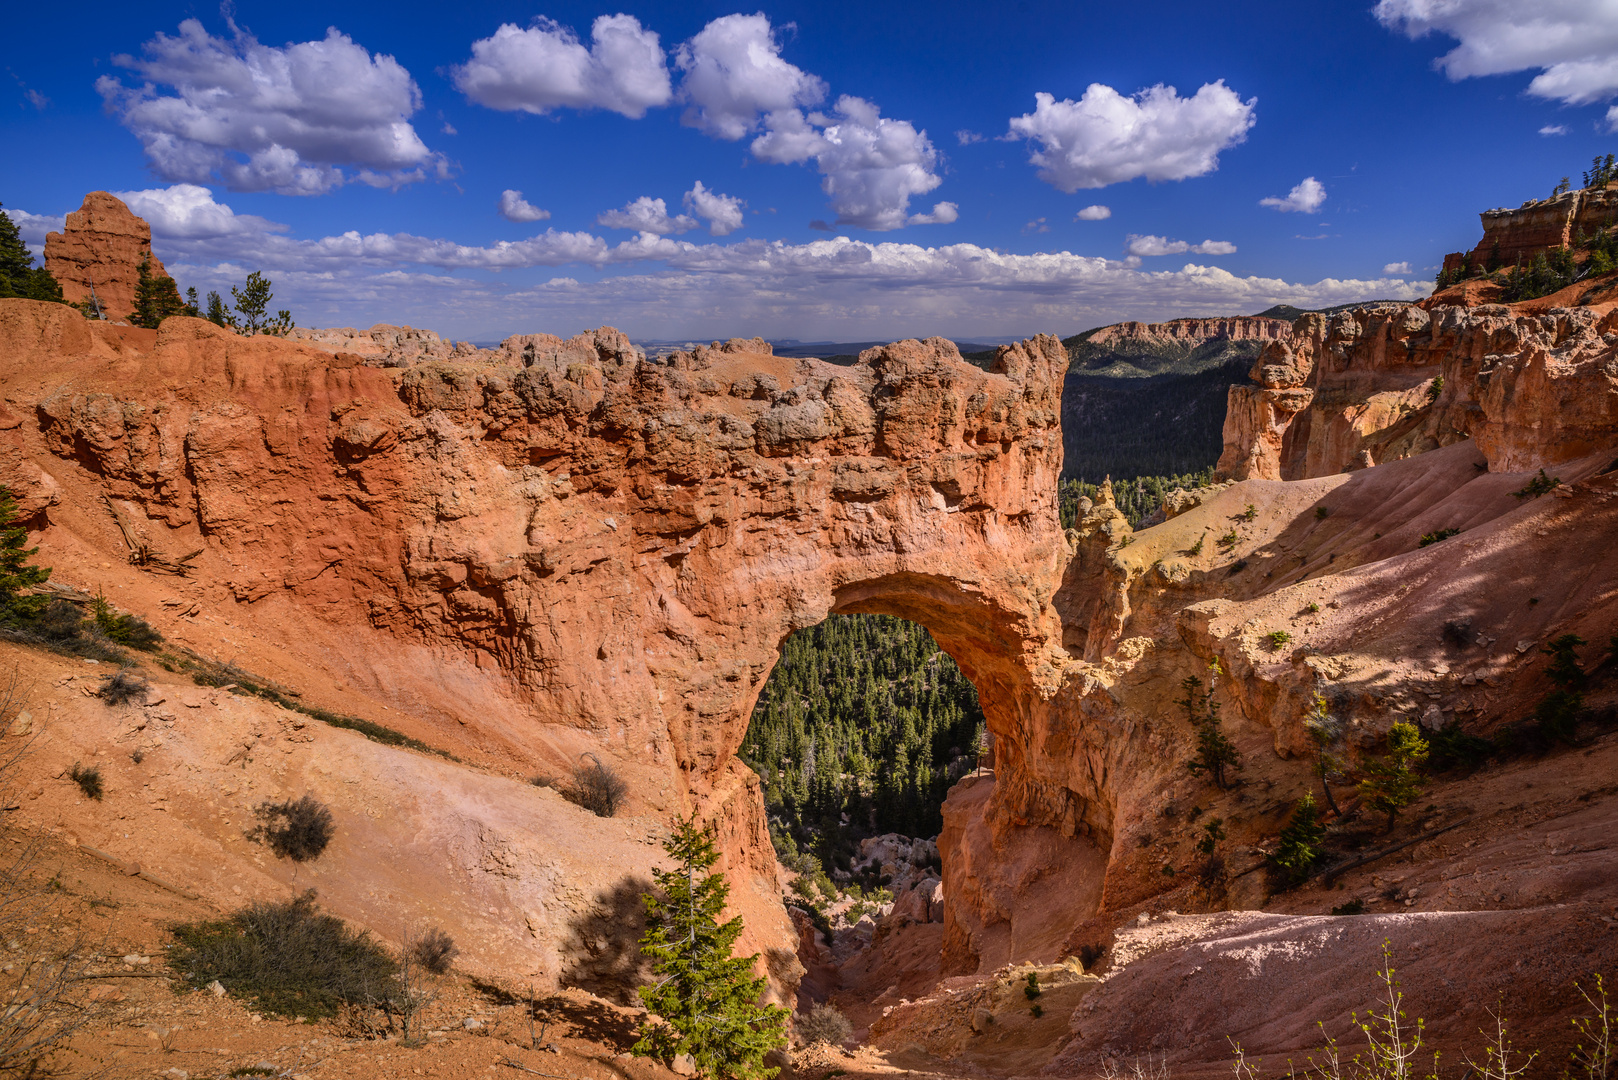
column 100, row 246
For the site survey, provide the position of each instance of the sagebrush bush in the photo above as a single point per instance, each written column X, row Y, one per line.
column 288, row 957
column 434, row 950
column 298, row 829
column 824, row 1023
column 124, row 687
column 88, row 779
column 597, row 787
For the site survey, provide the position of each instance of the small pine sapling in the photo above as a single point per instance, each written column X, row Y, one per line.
column 1322, row 732
column 1558, row 711
column 1215, row 752
column 705, row 1002
column 1392, row 783
column 1277, row 639
column 1299, row 849
column 1032, row 989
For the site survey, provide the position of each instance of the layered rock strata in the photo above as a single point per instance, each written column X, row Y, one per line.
column 1539, row 226
column 98, row 251
column 1179, row 331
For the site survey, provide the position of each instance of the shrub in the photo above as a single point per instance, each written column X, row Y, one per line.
column 123, row 687
column 1450, row 747
column 130, row 630
column 1538, row 486
column 1392, row 784
column 1312, row 609
column 1277, row 638
column 1322, row 513
column 1031, row 989
column 1229, row 540
column 598, row 788
column 289, row 957
column 298, row 829
column 1248, row 514
column 1299, row 849
column 88, row 779
column 1557, row 713
column 1435, row 388
column 824, row 1023
column 1196, row 548
column 1435, row 537
column 434, row 950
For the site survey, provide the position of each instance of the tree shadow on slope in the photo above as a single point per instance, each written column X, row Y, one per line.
column 602, row 951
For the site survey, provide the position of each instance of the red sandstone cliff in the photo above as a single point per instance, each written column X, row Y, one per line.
column 100, row 246
column 1539, row 226
column 1235, row 328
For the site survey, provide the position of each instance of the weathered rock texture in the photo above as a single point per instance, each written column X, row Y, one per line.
column 1355, row 389
column 1539, row 226
column 384, row 345
column 99, row 248
column 1235, row 328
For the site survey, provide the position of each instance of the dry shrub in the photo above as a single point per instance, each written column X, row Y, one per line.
column 597, row 787
column 123, row 687
column 298, row 829
column 825, row 1023
column 88, row 779
column 434, row 951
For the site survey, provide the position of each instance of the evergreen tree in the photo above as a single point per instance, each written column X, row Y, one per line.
column 1392, row 784
column 156, row 296
column 15, row 572
column 217, row 312
column 18, row 275
column 1299, row 850
column 1558, row 711
column 252, row 308
column 191, row 307
column 705, row 1002
column 1215, row 752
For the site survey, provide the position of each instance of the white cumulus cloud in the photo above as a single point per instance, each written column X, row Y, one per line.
column 870, row 165
column 298, row 120
column 733, row 73
column 1572, row 43
column 1107, row 138
column 1305, row 197
column 647, row 215
column 1553, row 129
column 1397, row 268
column 1162, row 245
column 1094, row 213
column 189, row 212
column 513, row 207
column 723, row 213
column 546, row 67
column 33, row 227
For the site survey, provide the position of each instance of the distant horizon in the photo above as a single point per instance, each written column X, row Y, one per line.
column 814, row 171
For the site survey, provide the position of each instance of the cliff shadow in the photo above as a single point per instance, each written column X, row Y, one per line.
column 601, row 953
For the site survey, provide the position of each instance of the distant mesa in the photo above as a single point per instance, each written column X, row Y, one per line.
column 99, row 248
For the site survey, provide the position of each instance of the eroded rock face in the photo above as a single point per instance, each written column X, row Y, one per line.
column 100, row 247
column 1354, row 389
column 621, row 545
column 1235, row 328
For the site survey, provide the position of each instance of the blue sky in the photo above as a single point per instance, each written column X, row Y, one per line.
column 866, row 170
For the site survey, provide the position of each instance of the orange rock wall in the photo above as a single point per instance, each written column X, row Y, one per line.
column 100, row 247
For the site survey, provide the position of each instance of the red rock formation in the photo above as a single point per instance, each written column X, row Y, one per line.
column 1234, row 328
column 100, row 246
column 1352, row 389
column 1539, row 226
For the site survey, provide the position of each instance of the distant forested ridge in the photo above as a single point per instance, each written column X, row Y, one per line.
column 1158, row 426
column 861, row 729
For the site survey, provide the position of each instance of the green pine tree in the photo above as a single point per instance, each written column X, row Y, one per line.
column 253, row 306
column 1299, row 850
column 18, row 275
column 15, row 572
column 1392, row 783
column 1558, row 711
column 217, row 313
column 156, row 296
column 1215, row 752
column 705, row 1002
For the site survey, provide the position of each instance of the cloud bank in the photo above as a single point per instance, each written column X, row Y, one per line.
column 545, row 67
column 298, row 120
